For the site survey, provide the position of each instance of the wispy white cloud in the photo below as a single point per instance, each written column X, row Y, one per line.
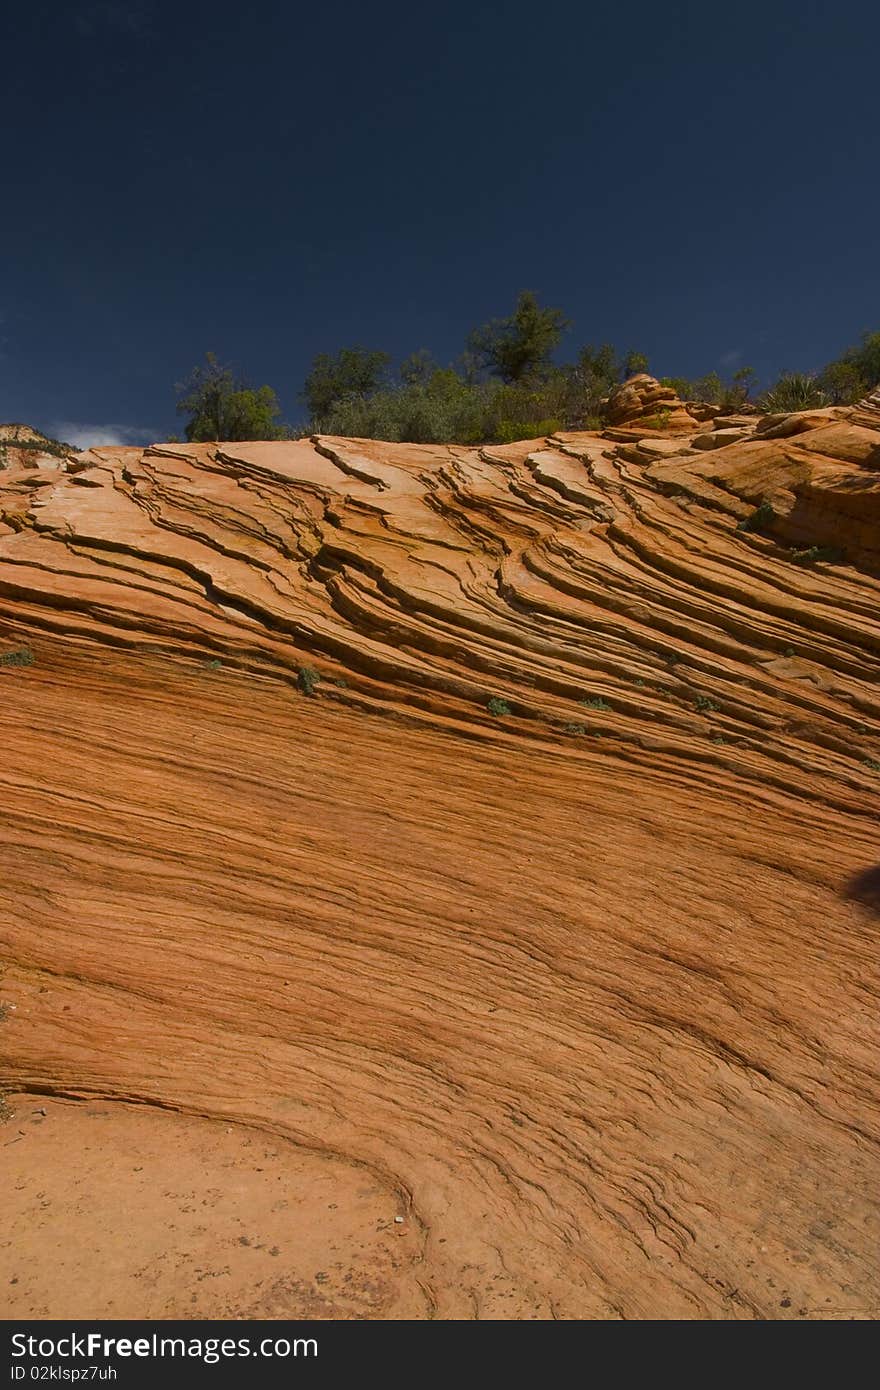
column 85, row 436
column 730, row 359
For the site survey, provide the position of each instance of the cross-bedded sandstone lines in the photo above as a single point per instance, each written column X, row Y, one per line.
column 587, row 987
column 596, row 592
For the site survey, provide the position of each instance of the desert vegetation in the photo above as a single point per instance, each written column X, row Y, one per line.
column 20, row 656
column 505, row 385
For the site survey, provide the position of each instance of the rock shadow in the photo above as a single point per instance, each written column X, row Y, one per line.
column 864, row 888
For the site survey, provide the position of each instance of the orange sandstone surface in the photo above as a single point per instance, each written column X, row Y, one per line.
column 371, row 1003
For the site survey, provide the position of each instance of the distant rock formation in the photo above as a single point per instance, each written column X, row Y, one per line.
column 26, row 447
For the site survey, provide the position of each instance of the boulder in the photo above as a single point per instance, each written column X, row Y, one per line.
column 643, row 402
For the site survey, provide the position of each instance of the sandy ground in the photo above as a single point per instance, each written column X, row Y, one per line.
column 118, row 1211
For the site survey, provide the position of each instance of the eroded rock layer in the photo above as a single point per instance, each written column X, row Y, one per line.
column 587, row 984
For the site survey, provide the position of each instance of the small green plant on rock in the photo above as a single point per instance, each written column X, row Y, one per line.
column 596, row 702
column 22, row 656
column 660, row 421
column 873, row 764
column 705, row 705
column 762, row 517
column 307, row 679
column 498, row 707
column 816, row 554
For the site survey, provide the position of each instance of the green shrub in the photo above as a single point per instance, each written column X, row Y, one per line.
column 596, row 702
column 705, row 705
column 793, row 391
column 816, row 554
column 307, row 679
column 762, row 517
column 505, row 387
column 853, row 375
column 660, row 421
column 842, row 383
column 707, row 389
column 520, row 346
column 509, row 431
column 498, row 707
column 21, row 656
column 222, row 406
column 355, row 373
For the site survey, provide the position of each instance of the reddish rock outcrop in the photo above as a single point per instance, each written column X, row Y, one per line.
column 582, row 988
column 642, row 402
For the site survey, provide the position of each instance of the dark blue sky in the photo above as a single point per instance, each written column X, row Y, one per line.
column 700, row 182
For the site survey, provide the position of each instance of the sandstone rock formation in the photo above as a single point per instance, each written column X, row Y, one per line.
column 642, row 402
column 568, row 1010
column 21, row 446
